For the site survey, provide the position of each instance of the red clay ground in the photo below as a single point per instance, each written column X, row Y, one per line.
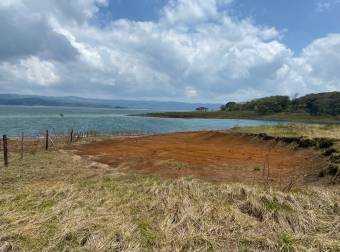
column 213, row 156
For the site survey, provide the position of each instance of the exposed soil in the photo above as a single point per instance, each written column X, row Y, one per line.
column 212, row 156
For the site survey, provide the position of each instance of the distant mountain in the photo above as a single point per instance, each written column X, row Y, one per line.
column 71, row 101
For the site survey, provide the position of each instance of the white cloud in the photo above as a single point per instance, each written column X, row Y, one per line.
column 191, row 92
column 40, row 72
column 195, row 51
column 325, row 5
column 192, row 11
column 33, row 70
column 315, row 70
column 66, row 11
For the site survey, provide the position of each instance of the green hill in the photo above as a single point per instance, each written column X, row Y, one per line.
column 314, row 104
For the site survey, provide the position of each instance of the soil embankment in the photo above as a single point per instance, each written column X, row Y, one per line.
column 212, row 156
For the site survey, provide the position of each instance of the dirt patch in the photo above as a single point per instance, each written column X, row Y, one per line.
column 213, row 156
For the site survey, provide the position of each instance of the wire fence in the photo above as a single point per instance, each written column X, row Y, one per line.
column 13, row 148
column 23, row 145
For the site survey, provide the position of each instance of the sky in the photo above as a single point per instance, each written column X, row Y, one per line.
column 178, row 50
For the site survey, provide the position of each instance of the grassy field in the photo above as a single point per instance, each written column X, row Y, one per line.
column 56, row 201
column 296, row 117
column 295, row 130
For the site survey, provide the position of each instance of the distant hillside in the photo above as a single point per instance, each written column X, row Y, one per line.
column 314, row 104
column 318, row 104
column 31, row 100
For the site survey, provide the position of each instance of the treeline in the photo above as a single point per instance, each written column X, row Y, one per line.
column 314, row 104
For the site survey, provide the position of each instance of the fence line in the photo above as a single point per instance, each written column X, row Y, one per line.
column 24, row 144
column 49, row 142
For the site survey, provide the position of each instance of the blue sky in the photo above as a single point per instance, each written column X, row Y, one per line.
column 138, row 10
column 181, row 50
column 303, row 20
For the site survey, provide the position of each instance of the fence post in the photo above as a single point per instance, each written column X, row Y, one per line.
column 71, row 136
column 46, row 141
column 5, row 147
column 22, row 146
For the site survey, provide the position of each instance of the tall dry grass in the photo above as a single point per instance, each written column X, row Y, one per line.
column 295, row 130
column 58, row 202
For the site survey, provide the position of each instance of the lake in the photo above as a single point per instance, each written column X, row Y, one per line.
column 34, row 121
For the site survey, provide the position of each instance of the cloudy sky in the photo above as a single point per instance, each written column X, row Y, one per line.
column 183, row 50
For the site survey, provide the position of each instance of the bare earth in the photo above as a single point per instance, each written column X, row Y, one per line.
column 212, row 156
column 56, row 201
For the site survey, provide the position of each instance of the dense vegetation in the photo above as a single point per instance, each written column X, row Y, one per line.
column 314, row 104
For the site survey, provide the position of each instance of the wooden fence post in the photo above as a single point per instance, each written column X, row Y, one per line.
column 22, row 146
column 46, row 140
column 71, row 136
column 5, row 147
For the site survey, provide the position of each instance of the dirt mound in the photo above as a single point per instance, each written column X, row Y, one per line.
column 213, row 156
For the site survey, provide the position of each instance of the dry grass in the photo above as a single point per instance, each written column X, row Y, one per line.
column 296, row 130
column 54, row 201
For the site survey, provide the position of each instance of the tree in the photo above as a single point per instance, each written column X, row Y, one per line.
column 272, row 104
column 312, row 108
column 231, row 106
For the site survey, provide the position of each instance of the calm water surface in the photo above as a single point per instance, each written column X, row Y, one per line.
column 36, row 120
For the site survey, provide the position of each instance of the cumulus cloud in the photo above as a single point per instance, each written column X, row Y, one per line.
column 196, row 51
column 33, row 70
column 315, row 70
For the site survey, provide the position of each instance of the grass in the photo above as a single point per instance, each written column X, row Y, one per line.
column 295, row 130
column 284, row 116
column 54, row 201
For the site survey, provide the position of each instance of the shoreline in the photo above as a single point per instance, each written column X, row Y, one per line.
column 278, row 117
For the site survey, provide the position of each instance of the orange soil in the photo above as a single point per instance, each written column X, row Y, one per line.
column 213, row 156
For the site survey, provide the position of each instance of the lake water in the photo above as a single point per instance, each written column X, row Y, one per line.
column 34, row 121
